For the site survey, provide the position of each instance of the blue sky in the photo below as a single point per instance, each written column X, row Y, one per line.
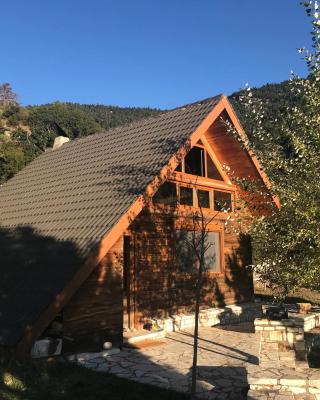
column 157, row 53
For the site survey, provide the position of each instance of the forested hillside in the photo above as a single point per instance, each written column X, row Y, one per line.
column 275, row 97
column 25, row 132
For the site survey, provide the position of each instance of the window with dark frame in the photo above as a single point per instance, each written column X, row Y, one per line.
column 186, row 259
column 166, row 194
column 198, row 162
column 222, row 201
column 179, row 167
column 203, row 198
column 194, row 162
column 212, row 170
column 186, row 196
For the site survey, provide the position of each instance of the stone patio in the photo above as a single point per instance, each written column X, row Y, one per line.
column 280, row 376
column 226, row 354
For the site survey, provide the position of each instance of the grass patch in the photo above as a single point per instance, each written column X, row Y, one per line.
column 57, row 380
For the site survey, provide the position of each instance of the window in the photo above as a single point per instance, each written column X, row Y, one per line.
column 194, row 162
column 186, row 196
column 213, row 255
column 166, row 194
column 179, row 168
column 198, row 162
column 186, row 259
column 206, row 199
column 222, row 201
column 212, row 170
column 203, row 198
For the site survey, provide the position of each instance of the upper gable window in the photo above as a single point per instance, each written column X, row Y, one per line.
column 179, row 168
column 212, row 170
column 198, row 162
column 194, row 162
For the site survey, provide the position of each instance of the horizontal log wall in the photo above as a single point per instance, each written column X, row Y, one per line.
column 161, row 290
column 95, row 312
column 158, row 289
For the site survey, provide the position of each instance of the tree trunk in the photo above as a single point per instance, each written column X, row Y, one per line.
column 195, row 334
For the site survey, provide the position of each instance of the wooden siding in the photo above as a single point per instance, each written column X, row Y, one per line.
column 157, row 288
column 228, row 151
column 161, row 290
column 94, row 314
column 241, row 166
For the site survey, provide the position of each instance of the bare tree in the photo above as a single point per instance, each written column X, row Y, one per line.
column 7, row 95
column 199, row 245
column 198, row 224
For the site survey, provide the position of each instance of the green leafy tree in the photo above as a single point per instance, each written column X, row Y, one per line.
column 287, row 242
column 59, row 119
column 28, row 143
column 14, row 114
column 34, row 128
column 11, row 158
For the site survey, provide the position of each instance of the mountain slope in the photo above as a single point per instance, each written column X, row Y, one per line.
column 27, row 131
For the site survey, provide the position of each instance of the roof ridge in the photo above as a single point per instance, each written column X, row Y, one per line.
column 200, row 102
column 141, row 121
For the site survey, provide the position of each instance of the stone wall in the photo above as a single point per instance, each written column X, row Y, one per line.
column 232, row 314
column 305, row 383
column 290, row 331
column 279, row 376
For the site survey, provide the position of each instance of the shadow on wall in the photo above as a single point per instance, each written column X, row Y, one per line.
column 95, row 313
column 33, row 270
column 27, row 287
column 162, row 290
column 239, row 276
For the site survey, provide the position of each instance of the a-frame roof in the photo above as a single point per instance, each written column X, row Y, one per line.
column 79, row 197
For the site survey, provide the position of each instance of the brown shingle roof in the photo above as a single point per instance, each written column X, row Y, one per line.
column 58, row 207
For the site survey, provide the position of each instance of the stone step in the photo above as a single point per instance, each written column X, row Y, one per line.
column 82, row 357
column 297, row 382
column 139, row 336
column 287, row 355
column 268, row 395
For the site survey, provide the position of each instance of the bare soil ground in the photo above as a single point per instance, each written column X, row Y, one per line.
column 300, row 296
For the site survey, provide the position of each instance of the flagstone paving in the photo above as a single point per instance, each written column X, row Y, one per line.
column 226, row 354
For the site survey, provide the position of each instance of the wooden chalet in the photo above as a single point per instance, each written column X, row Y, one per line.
column 93, row 233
